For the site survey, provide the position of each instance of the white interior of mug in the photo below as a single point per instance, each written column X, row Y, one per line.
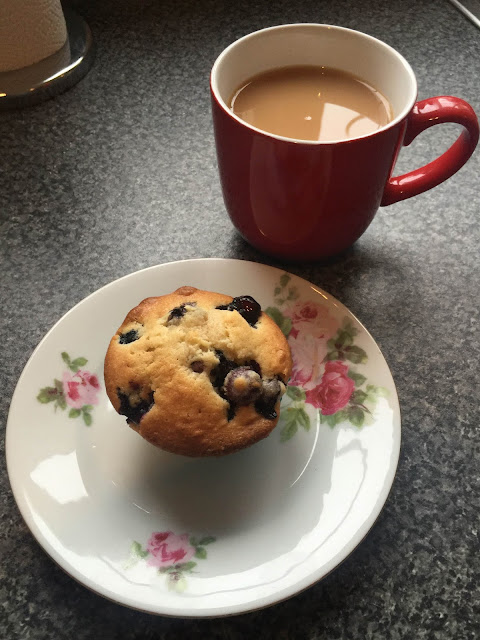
column 315, row 44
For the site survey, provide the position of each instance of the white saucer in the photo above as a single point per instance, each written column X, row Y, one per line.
column 204, row 537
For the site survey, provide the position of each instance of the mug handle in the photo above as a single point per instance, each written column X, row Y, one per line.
column 425, row 114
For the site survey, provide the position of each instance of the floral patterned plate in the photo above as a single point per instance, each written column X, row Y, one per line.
column 209, row 537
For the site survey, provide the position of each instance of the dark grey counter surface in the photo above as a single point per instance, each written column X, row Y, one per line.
column 120, row 173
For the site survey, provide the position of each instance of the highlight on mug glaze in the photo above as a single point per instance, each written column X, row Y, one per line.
column 327, row 365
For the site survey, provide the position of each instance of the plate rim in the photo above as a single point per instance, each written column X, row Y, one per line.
column 234, row 609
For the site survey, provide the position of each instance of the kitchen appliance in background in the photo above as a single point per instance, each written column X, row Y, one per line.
column 43, row 51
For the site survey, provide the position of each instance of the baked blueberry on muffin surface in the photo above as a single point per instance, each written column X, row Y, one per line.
column 198, row 373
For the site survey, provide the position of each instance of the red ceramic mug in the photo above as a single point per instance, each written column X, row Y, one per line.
column 306, row 200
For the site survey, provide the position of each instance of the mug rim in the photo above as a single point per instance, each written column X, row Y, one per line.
column 398, row 119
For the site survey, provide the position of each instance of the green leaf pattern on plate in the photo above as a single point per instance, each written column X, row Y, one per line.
column 170, row 554
column 77, row 390
column 325, row 379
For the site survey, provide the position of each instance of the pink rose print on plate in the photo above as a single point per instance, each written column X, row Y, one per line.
column 335, row 390
column 312, row 318
column 308, row 353
column 312, row 327
column 78, row 389
column 324, row 376
column 171, row 554
column 167, row 549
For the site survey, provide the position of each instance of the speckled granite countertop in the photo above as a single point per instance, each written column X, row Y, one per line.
column 120, row 173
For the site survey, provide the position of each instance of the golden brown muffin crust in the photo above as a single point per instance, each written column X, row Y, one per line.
column 161, row 364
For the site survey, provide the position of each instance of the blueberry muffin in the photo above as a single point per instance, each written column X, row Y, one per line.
column 198, row 373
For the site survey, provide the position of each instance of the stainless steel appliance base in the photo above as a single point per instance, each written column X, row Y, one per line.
column 53, row 75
